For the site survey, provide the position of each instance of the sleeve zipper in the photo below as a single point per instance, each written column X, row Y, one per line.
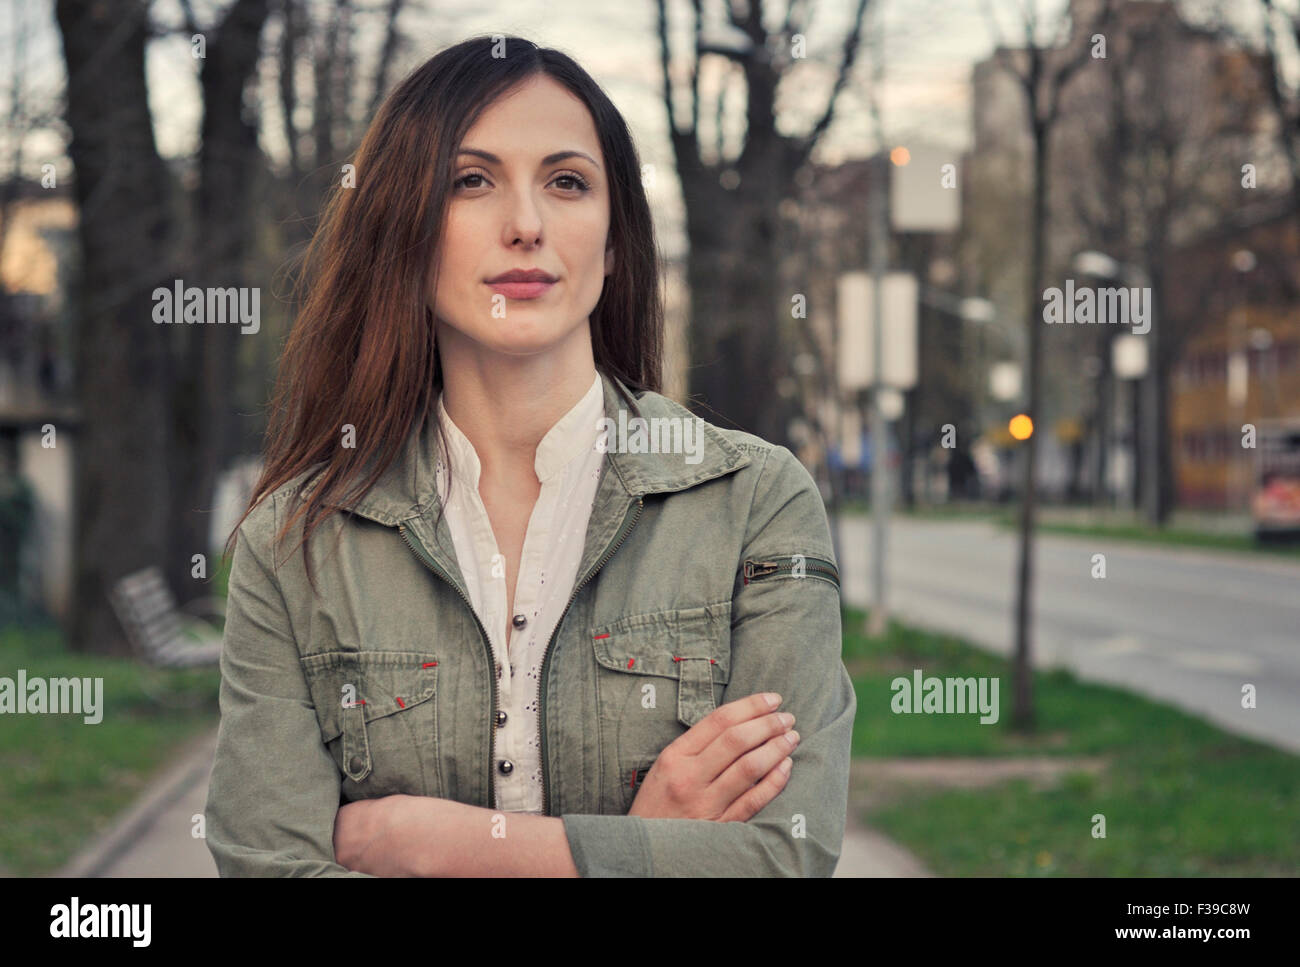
column 785, row 564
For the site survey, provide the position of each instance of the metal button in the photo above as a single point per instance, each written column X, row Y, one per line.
column 501, row 719
column 505, row 767
column 356, row 763
column 520, row 621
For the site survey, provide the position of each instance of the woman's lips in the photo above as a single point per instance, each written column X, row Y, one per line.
column 521, row 290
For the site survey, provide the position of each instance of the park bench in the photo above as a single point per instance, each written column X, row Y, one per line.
column 164, row 635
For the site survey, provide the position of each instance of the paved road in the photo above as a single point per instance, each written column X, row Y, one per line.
column 1188, row 627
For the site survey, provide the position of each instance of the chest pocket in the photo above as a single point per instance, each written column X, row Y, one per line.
column 658, row 675
column 377, row 712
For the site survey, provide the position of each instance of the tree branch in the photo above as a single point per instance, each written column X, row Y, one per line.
column 851, row 43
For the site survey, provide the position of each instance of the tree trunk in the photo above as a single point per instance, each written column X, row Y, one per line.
column 230, row 168
column 1023, row 711
column 121, row 481
column 1165, row 358
column 736, row 342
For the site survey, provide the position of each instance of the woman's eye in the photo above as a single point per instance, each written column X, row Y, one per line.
column 460, row 181
column 579, row 183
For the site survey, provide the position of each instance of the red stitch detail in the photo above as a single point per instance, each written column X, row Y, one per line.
column 598, row 637
column 400, row 703
column 629, row 662
column 632, row 784
column 675, row 658
column 713, row 661
column 428, row 663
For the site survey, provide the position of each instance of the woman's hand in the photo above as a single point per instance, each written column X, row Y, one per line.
column 727, row 766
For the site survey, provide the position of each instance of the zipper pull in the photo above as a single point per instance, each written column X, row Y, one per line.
column 755, row 569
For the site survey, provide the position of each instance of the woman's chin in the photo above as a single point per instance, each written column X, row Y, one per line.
column 521, row 337
column 525, row 342
column 521, row 333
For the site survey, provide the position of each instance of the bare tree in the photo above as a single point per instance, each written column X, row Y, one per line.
column 1042, row 67
column 1282, row 37
column 1147, row 133
column 123, row 370
column 387, row 56
column 323, row 37
column 737, row 346
column 231, row 166
column 157, row 401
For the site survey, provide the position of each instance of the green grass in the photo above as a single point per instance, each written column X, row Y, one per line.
column 65, row 781
column 1180, row 797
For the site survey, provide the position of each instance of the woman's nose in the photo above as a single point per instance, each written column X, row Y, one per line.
column 524, row 223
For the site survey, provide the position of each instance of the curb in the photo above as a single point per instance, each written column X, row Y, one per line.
column 191, row 765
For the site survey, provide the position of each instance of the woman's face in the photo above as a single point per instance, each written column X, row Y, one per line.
column 530, row 193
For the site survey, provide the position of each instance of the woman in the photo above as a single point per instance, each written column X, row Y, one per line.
column 563, row 627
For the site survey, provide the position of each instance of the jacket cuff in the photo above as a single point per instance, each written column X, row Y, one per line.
column 605, row 845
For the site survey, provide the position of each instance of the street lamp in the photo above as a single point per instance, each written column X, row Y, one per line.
column 1102, row 266
column 1004, row 381
column 975, row 309
column 1128, row 363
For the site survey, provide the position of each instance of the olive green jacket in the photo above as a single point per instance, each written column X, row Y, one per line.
column 702, row 581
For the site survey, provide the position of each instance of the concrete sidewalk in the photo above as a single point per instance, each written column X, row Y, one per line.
column 869, row 853
column 154, row 837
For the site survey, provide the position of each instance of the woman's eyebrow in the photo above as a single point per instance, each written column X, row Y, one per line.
column 550, row 159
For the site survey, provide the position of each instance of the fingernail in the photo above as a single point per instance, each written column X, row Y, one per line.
column 773, row 700
column 792, row 738
column 786, row 719
column 786, row 766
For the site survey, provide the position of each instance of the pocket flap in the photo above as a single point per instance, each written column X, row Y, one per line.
column 658, row 644
column 379, row 682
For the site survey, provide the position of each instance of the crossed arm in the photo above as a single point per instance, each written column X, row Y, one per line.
column 424, row 836
column 725, row 768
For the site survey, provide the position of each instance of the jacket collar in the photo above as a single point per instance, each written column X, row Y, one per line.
column 407, row 488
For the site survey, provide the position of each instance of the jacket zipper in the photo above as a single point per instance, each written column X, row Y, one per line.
column 424, row 558
column 756, row 570
column 546, row 659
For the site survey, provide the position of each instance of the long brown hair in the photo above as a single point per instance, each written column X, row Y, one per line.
column 362, row 349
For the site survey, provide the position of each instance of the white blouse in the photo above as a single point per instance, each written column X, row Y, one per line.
column 568, row 464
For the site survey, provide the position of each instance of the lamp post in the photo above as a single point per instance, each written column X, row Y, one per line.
column 1102, row 266
column 1129, row 363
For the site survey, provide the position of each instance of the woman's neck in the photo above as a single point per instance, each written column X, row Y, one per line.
column 505, row 404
